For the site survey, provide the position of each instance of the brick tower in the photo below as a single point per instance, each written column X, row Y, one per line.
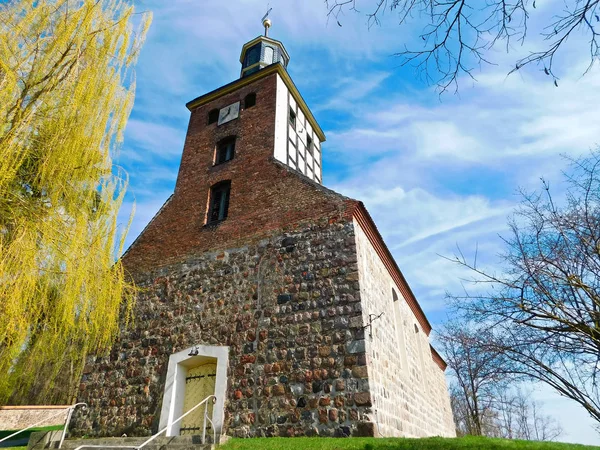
column 260, row 285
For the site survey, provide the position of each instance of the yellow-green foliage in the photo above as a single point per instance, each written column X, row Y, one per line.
column 66, row 92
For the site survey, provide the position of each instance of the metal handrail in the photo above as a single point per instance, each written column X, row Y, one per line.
column 205, row 401
column 143, row 444
column 70, row 410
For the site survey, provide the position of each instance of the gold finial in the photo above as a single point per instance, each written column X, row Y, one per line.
column 266, row 21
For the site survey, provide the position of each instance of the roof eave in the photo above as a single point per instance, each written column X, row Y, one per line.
column 364, row 219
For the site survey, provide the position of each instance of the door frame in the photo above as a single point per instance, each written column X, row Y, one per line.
column 173, row 397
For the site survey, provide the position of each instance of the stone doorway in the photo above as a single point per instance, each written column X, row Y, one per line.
column 194, row 374
column 199, row 384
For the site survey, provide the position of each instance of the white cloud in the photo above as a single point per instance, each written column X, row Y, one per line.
column 353, row 89
column 155, row 138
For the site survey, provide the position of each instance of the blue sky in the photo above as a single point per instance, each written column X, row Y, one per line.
column 435, row 172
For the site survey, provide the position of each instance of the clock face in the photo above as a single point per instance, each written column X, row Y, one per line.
column 229, row 113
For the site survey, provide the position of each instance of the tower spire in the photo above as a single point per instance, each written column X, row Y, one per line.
column 262, row 51
column 267, row 22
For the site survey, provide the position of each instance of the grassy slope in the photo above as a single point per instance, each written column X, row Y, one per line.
column 4, row 433
column 466, row 443
column 24, row 434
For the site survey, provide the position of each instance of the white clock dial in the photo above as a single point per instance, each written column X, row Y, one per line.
column 229, row 113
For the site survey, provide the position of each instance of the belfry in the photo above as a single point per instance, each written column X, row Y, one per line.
column 264, row 291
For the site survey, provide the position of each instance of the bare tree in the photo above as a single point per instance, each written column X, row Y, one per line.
column 543, row 309
column 521, row 417
column 458, row 33
column 478, row 375
column 485, row 397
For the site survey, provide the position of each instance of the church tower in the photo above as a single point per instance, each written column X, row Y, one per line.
column 259, row 286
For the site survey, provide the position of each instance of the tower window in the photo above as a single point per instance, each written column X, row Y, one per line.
column 213, row 116
column 292, row 118
column 225, row 150
column 219, row 202
column 250, row 100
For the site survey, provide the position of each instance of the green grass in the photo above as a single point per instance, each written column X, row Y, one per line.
column 465, row 443
column 25, row 434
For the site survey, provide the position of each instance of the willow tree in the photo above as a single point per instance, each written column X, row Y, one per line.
column 66, row 91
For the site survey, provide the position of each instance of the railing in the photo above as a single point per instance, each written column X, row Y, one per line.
column 204, row 402
column 68, row 419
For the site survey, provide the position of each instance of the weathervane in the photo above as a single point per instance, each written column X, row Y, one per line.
column 266, row 21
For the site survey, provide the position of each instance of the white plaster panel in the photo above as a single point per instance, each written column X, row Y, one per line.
column 309, row 160
column 301, row 134
column 301, row 118
column 281, row 119
column 302, row 151
column 409, row 399
column 293, row 103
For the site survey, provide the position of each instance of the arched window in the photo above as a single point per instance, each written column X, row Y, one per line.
column 213, row 116
column 225, row 150
column 269, row 53
column 219, row 201
column 250, row 100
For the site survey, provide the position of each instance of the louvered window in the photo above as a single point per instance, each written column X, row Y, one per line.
column 213, row 116
column 250, row 100
column 225, row 150
column 219, row 201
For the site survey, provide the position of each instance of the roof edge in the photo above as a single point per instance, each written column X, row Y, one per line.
column 366, row 222
column 167, row 201
column 438, row 359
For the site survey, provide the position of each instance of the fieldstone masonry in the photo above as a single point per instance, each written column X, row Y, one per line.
column 288, row 308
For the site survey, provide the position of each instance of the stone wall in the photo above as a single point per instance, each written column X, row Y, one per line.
column 19, row 417
column 409, row 392
column 289, row 309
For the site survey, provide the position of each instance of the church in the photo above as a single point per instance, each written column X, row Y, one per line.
column 262, row 287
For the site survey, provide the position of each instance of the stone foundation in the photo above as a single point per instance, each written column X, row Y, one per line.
column 289, row 310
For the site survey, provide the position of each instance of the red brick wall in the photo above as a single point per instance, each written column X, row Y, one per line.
column 265, row 196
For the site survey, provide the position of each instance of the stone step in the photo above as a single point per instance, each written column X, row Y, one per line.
column 189, row 442
column 159, row 441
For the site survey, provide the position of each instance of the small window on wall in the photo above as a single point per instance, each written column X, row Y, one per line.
column 394, row 295
column 225, row 150
column 219, row 202
column 292, row 118
column 213, row 116
column 309, row 144
column 250, row 101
